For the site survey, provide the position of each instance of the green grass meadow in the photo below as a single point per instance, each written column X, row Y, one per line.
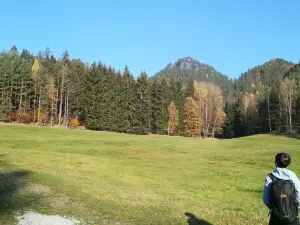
column 109, row 178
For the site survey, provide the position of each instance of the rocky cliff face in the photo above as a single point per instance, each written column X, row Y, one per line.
column 187, row 63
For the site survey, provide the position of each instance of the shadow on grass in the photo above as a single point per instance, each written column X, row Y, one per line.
column 193, row 220
column 10, row 184
column 12, row 196
column 297, row 137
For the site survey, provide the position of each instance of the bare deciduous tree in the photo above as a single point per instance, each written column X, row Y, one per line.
column 287, row 100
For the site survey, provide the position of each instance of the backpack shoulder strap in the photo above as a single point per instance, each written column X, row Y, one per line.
column 272, row 177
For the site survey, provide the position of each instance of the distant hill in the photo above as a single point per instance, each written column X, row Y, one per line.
column 268, row 74
column 187, row 68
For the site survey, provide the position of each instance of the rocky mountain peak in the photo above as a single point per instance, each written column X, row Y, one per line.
column 187, row 63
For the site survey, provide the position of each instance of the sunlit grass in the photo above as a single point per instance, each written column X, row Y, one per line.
column 146, row 179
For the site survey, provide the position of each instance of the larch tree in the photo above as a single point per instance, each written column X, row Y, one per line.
column 244, row 109
column 173, row 118
column 217, row 110
column 35, row 76
column 210, row 105
column 64, row 83
column 218, row 123
column 249, row 111
column 51, row 91
column 192, row 121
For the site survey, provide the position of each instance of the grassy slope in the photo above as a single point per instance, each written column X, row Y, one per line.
column 141, row 179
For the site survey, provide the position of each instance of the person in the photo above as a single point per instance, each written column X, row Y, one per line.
column 282, row 193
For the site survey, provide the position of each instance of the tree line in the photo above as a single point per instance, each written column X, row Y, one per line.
column 47, row 90
column 62, row 91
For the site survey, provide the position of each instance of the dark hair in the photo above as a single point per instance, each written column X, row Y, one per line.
column 283, row 160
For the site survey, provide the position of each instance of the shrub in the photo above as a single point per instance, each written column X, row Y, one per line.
column 26, row 117
column 12, row 116
column 74, row 123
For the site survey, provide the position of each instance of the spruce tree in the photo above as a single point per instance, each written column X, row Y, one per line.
column 160, row 94
column 101, row 94
column 143, row 103
column 89, row 100
column 4, row 100
column 128, row 104
column 77, row 75
column 109, row 99
column 117, row 106
column 178, row 96
column 4, row 88
column 155, row 109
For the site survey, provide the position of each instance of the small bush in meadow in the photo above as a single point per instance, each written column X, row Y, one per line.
column 74, row 123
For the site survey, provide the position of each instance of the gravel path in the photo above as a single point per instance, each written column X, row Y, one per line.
column 32, row 218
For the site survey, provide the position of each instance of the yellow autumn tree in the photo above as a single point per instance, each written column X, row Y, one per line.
column 211, row 106
column 173, row 118
column 249, row 111
column 218, row 125
column 35, row 76
column 192, row 122
column 51, row 92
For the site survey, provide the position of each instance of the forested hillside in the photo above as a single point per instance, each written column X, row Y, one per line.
column 187, row 68
column 186, row 98
column 259, row 104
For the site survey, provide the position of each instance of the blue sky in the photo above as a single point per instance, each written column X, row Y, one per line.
column 230, row 35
